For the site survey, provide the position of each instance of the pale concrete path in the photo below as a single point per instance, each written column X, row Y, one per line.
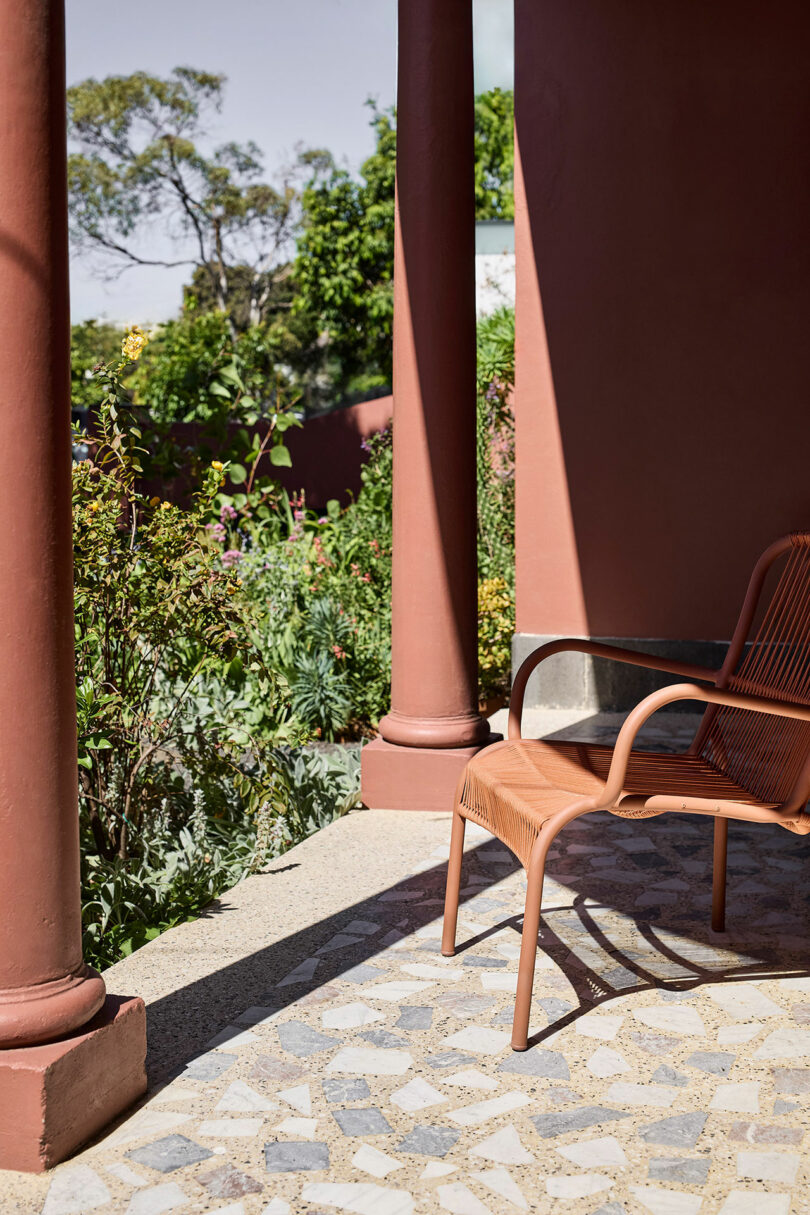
column 311, row 1051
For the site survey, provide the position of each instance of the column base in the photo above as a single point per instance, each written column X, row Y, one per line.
column 55, row 1097
column 412, row 778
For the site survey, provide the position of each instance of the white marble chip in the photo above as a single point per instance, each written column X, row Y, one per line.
column 481, row 1111
column 499, row 980
column 743, row 1001
column 781, row 1167
column 503, row 1184
column 421, row 970
column 503, row 1147
column 602, row 1153
column 302, row 1128
column 240, row 1098
column 230, row 1128
column 666, row 1202
column 737, row 1098
column 299, row 1098
column 370, row 1061
column 74, row 1190
column 417, row 1094
column 673, row 1019
column 301, row 974
column 375, row 1162
column 437, row 1168
column 479, row 1039
column 364, row 1198
column 396, row 990
column 754, row 1202
column 659, row 1095
column 125, row 1174
column 471, row 1078
column 592, row 1025
column 144, row 1123
column 157, row 1199
column 737, row 1035
column 460, row 1200
column 350, row 1016
column 785, row 1043
column 583, row 1185
column 605, row 1062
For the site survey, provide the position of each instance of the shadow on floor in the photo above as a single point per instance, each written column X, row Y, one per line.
column 672, row 947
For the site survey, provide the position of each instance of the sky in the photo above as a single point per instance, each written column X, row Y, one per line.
column 299, row 71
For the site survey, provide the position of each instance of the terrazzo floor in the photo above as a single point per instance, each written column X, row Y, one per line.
column 669, row 1070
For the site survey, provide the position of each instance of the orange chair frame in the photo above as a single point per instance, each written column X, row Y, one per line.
column 614, row 797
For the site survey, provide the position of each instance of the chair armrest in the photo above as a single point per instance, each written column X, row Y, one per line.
column 685, row 691
column 633, row 658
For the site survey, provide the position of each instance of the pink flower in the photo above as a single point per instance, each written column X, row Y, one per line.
column 231, row 557
column 298, row 515
column 227, row 514
column 338, row 652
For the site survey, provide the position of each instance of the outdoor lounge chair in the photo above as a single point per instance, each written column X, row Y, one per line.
column 750, row 758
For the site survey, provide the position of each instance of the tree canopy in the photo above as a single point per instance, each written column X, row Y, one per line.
column 308, row 261
column 345, row 261
column 140, row 166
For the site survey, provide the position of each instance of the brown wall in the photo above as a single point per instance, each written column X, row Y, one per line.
column 326, row 452
column 663, row 308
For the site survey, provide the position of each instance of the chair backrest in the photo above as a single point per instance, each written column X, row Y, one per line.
column 767, row 754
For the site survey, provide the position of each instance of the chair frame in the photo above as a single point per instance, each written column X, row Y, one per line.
column 713, row 697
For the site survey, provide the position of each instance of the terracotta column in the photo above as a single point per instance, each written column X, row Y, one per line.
column 46, row 990
column 433, row 726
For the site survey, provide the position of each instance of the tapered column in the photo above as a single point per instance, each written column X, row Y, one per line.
column 434, row 661
column 46, row 990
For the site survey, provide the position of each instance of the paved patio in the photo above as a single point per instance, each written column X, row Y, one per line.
column 310, row 1050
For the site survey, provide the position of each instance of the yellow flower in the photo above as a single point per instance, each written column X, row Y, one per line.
column 218, row 465
column 154, row 501
column 165, row 506
column 94, row 506
column 133, row 344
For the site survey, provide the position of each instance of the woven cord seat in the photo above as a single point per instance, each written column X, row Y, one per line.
column 750, row 759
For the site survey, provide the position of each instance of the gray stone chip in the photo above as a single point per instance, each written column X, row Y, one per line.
column 339, row 1088
column 692, row 1171
column 361, row 973
column 537, row 1062
column 300, row 1039
column 429, row 1141
column 550, row 1125
column 302, row 1157
column 450, row 1058
column 169, row 1153
column 366, row 1121
column 715, row 1062
column 418, row 1016
column 667, row 1075
column 682, row 1130
column 383, row 1039
column 208, row 1067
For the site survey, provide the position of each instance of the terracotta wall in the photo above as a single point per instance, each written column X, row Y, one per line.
column 327, row 453
column 663, row 296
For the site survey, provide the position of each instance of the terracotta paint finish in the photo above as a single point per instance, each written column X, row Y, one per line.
column 45, row 988
column 53, row 1098
column 434, row 661
column 663, row 294
column 434, row 562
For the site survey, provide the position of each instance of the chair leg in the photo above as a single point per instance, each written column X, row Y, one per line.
column 453, row 886
column 528, row 941
column 719, row 875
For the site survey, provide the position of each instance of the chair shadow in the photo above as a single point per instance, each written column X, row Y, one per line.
column 206, row 1005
